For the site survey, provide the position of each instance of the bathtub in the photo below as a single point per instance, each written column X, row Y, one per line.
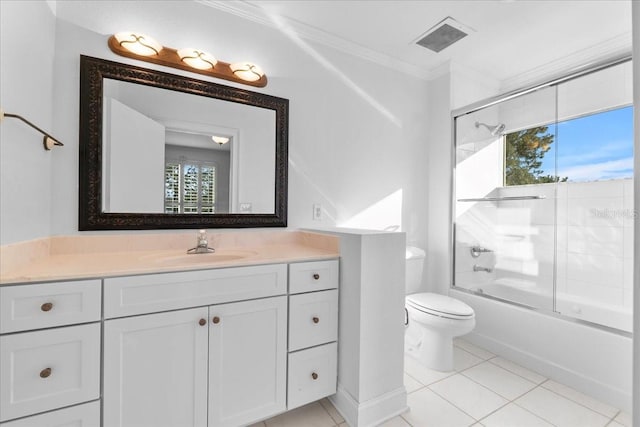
column 585, row 309
column 595, row 360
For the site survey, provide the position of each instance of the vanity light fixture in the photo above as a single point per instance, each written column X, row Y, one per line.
column 47, row 141
column 197, row 59
column 247, row 71
column 220, row 140
column 144, row 48
column 139, row 44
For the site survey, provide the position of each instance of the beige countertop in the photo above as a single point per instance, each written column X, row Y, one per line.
column 83, row 257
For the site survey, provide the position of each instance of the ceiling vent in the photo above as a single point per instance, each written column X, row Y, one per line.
column 443, row 34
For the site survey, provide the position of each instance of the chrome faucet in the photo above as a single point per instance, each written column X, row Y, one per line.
column 477, row 250
column 477, row 267
column 202, row 246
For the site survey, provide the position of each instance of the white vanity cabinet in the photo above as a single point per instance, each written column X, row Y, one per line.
column 55, row 366
column 313, row 331
column 217, row 365
column 223, row 347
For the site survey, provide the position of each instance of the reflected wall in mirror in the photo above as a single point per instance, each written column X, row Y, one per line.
column 164, row 151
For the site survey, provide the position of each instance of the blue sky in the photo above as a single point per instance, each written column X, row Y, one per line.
column 595, row 147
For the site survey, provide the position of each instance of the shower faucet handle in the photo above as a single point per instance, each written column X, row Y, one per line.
column 477, row 250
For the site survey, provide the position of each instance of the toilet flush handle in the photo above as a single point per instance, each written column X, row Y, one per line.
column 406, row 316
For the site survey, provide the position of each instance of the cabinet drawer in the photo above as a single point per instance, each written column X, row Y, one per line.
column 124, row 296
column 85, row 415
column 24, row 307
column 313, row 276
column 48, row 369
column 312, row 374
column 313, row 319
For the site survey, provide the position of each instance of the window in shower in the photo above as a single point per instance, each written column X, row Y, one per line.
column 543, row 207
column 595, row 147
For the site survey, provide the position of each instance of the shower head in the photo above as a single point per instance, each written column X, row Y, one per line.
column 495, row 130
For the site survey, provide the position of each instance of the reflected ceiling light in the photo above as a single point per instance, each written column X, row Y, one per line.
column 247, row 71
column 139, row 44
column 144, row 48
column 220, row 140
column 197, row 59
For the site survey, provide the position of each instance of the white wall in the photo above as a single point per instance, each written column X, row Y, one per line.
column 27, row 40
column 357, row 131
column 455, row 88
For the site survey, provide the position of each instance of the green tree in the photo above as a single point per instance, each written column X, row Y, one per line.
column 524, row 151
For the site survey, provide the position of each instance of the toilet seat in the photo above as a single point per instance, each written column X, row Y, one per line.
column 440, row 305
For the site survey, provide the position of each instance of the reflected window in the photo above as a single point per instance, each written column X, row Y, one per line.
column 190, row 187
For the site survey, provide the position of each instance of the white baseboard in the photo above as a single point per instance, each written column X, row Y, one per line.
column 604, row 392
column 374, row 411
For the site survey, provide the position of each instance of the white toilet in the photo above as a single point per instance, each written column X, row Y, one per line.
column 433, row 320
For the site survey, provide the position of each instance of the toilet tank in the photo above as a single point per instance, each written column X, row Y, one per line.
column 414, row 266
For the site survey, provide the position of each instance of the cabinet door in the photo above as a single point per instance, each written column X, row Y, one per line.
column 247, row 361
column 155, row 370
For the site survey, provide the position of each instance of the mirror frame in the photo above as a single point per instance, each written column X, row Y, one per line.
column 90, row 214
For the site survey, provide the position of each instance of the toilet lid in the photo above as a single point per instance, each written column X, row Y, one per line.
column 440, row 305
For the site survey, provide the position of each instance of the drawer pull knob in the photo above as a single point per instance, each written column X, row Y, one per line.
column 316, row 276
column 316, row 319
column 216, row 320
column 314, row 376
column 202, row 322
column 47, row 306
column 45, row 373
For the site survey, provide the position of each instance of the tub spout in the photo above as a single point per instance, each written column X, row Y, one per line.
column 477, row 267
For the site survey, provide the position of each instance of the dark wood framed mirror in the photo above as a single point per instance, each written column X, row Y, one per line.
column 149, row 160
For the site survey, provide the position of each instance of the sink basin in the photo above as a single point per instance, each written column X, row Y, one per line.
column 207, row 258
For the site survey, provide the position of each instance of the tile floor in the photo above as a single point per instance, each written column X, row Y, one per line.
column 483, row 390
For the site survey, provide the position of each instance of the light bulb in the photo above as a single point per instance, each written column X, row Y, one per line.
column 197, row 59
column 139, row 44
column 247, row 71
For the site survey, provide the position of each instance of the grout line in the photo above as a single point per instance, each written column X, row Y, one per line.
column 452, row 404
column 515, row 373
column 578, row 403
column 460, row 409
column 414, row 378
column 424, row 386
column 504, row 397
column 481, row 357
column 469, row 367
column 534, row 414
column 328, row 402
column 405, row 420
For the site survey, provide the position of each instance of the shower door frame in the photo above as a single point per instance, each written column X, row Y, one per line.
column 575, row 73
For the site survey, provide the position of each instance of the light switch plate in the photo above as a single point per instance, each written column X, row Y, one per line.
column 317, row 212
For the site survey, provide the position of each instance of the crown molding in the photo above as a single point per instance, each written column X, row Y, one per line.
column 257, row 14
column 613, row 48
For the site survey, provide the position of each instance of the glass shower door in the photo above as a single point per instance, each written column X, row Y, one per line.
column 505, row 200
